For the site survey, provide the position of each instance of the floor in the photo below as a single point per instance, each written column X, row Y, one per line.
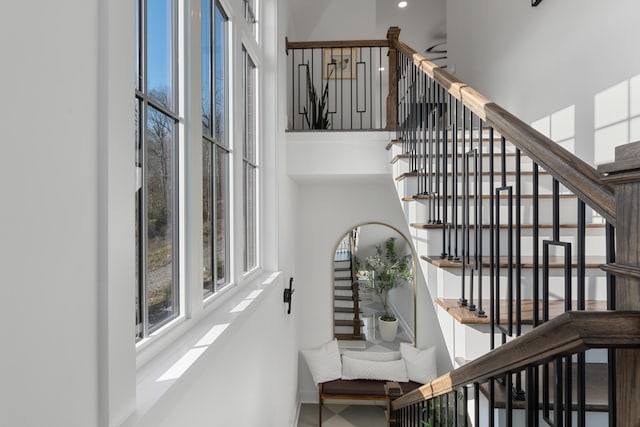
column 342, row 415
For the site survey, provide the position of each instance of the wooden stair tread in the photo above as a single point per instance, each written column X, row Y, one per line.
column 449, row 155
column 349, row 337
column 342, row 268
column 596, row 398
column 342, row 288
column 338, row 322
column 342, row 278
column 484, row 197
column 422, row 226
column 466, row 317
column 343, row 298
column 527, row 261
column 344, row 310
column 496, row 174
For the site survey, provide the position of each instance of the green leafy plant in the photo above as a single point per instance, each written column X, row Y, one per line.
column 386, row 270
column 316, row 113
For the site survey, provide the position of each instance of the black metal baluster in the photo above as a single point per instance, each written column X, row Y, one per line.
column 438, row 139
column 581, row 270
column 509, row 399
column 467, row 228
column 611, row 305
column 445, row 192
column 454, row 187
column 509, row 300
column 557, row 394
column 430, row 100
column 465, row 200
column 492, row 402
column 479, row 220
column 492, row 248
column 536, row 245
column 476, row 406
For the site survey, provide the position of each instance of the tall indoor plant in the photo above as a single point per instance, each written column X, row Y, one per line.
column 316, row 112
column 387, row 270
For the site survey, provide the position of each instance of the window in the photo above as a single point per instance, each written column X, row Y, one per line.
column 215, row 149
column 250, row 163
column 156, row 148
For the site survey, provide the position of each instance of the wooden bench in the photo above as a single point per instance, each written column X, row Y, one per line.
column 358, row 390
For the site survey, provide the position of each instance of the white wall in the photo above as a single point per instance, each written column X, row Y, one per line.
column 49, row 215
column 66, row 235
column 234, row 385
column 570, row 66
column 327, row 211
column 422, row 22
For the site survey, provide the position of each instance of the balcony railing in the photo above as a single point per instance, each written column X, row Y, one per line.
column 341, row 85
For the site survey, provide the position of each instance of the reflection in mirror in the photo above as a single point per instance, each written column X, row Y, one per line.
column 373, row 288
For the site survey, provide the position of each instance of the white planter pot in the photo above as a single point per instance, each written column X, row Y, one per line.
column 388, row 329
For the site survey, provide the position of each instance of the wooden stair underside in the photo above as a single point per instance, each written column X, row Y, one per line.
column 466, row 317
column 344, row 310
column 349, row 337
column 526, row 262
column 596, row 399
column 348, row 322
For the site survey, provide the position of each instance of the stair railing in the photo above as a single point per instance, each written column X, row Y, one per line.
column 341, row 85
column 443, row 401
column 469, row 157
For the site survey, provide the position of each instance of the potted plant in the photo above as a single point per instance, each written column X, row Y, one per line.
column 316, row 112
column 386, row 270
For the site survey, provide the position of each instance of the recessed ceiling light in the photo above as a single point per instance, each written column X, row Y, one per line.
column 402, row 4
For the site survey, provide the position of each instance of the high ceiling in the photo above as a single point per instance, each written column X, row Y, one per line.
column 422, row 22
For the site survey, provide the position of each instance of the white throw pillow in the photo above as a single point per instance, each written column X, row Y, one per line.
column 380, row 356
column 421, row 364
column 324, row 362
column 356, row 369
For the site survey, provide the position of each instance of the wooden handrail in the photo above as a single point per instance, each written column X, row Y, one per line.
column 571, row 171
column 569, row 333
column 335, row 44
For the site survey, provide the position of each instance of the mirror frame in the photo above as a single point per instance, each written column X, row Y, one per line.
column 414, row 275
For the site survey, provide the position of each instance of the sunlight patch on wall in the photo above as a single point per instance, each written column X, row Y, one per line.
column 189, row 358
column 616, row 118
column 560, row 127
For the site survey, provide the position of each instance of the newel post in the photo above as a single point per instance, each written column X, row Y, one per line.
column 624, row 175
column 392, row 98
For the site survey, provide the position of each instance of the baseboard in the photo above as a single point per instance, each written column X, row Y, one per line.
column 308, row 396
column 296, row 416
column 403, row 323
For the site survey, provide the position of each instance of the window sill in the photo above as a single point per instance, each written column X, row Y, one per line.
column 179, row 360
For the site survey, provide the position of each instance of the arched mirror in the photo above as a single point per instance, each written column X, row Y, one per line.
column 373, row 288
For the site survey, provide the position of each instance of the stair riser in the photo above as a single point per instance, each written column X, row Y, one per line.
column 420, row 211
column 338, row 292
column 403, row 164
column 343, row 316
column 431, row 242
column 344, row 329
column 408, row 186
column 338, row 303
column 342, row 274
column 448, row 284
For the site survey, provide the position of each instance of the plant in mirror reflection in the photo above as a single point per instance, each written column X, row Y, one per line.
column 386, row 270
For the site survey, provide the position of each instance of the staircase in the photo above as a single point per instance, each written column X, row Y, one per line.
column 448, row 257
column 347, row 314
column 514, row 235
column 530, row 254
